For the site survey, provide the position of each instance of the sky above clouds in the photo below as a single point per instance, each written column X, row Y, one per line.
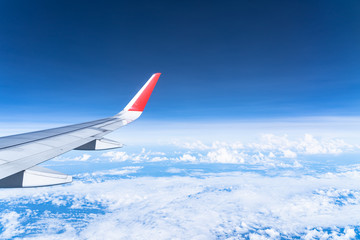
column 233, row 60
column 251, row 132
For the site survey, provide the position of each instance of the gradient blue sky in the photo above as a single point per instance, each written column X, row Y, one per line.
column 219, row 59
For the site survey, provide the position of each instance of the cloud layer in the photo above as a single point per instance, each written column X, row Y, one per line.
column 207, row 206
column 268, row 150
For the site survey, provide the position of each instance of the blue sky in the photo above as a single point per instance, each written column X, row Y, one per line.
column 220, row 60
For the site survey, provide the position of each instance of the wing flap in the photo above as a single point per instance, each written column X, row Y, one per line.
column 12, row 154
column 100, row 144
column 35, row 177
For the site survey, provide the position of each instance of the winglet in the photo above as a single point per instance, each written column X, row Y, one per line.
column 138, row 102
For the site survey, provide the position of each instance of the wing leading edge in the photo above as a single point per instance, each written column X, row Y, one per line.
column 19, row 154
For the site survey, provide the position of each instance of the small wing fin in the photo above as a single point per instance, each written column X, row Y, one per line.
column 136, row 106
column 139, row 101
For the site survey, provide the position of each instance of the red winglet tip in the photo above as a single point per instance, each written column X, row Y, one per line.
column 142, row 99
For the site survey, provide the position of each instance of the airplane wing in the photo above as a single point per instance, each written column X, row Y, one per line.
column 20, row 154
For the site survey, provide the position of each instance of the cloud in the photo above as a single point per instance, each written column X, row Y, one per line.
column 159, row 159
column 225, row 155
column 121, row 171
column 288, row 154
column 11, row 224
column 311, row 145
column 116, row 156
column 187, row 158
column 84, row 157
column 320, row 233
column 174, row 170
column 143, row 156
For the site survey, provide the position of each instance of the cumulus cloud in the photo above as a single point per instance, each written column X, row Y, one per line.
column 121, row 171
column 225, row 155
column 84, row 157
column 143, row 156
column 187, row 157
column 320, row 233
column 289, row 154
column 311, row 145
column 116, row 156
column 174, row 170
column 11, row 224
column 159, row 159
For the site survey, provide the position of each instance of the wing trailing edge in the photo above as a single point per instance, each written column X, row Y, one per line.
column 35, row 177
column 100, row 144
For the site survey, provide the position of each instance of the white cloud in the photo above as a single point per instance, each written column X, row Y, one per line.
column 11, row 224
column 319, row 233
column 272, row 233
column 225, row 155
column 84, row 157
column 122, row 171
column 289, row 154
column 116, row 156
column 159, row 159
column 311, row 145
column 187, row 158
column 174, row 170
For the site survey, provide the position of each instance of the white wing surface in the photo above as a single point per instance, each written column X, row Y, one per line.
column 19, row 154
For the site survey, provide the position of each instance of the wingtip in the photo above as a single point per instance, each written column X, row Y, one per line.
column 157, row 74
column 140, row 100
